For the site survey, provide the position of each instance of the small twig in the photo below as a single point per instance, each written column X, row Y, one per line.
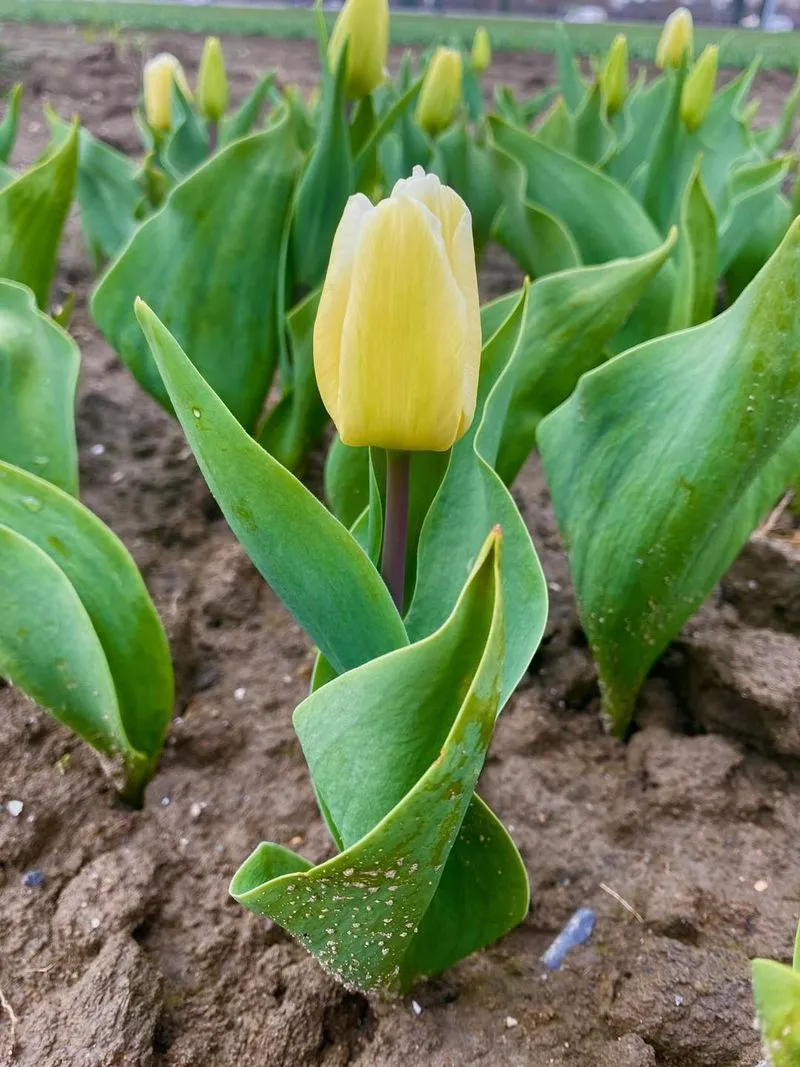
column 628, row 907
column 775, row 516
column 12, row 1018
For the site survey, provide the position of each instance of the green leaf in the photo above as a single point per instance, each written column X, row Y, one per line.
column 762, row 240
column 33, row 210
column 108, row 192
column 753, row 190
column 662, row 462
column 594, row 138
column 425, row 876
column 776, row 991
column 328, row 180
column 668, row 157
column 642, row 116
column 398, row 109
column 108, row 585
column 347, row 481
column 301, row 550
column 187, row 145
column 696, row 257
column 772, row 137
column 294, row 425
column 557, row 128
column 570, row 319
column 468, row 168
column 10, row 124
column 602, row 216
column 470, row 502
column 242, row 122
column 38, row 375
column 208, row 263
column 573, row 87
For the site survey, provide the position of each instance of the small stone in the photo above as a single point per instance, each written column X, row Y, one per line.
column 165, row 802
column 95, row 923
column 511, row 1022
column 197, row 809
column 14, row 808
column 416, row 1008
column 97, row 450
column 761, row 885
column 239, row 694
column 33, row 879
column 678, row 1000
column 117, row 477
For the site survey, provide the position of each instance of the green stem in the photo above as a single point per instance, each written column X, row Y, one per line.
column 395, row 530
column 213, row 137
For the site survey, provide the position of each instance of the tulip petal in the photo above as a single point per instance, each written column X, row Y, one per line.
column 400, row 375
column 333, row 302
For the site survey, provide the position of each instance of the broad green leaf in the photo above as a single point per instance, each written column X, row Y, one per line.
column 468, row 168
column 762, row 240
column 388, row 120
column 38, row 375
column 569, row 322
column 10, row 124
column 532, row 108
column 776, row 991
column 208, row 264
column 643, row 113
column 33, row 210
column 696, row 257
column 663, row 461
column 753, row 191
column 303, row 552
column 470, row 502
column 242, row 121
column 187, row 145
column 601, row 215
column 557, row 128
column 293, row 426
column 572, row 85
column 668, row 158
column 427, row 874
column 107, row 582
column 594, row 139
column 327, row 182
column 108, row 192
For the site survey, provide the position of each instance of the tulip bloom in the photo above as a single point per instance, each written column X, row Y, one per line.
column 212, row 83
column 364, row 26
column 440, row 96
column 397, row 338
column 481, row 50
column 614, row 76
column 159, row 74
column 676, row 38
column 699, row 88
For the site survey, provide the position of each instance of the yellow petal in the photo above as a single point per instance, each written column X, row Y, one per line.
column 333, row 302
column 400, row 374
column 440, row 96
column 364, row 25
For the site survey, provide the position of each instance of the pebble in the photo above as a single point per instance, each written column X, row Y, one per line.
column 33, row 879
column 97, row 450
column 14, row 808
column 578, row 929
column 197, row 809
column 511, row 1022
column 416, row 1008
column 761, row 885
column 240, row 693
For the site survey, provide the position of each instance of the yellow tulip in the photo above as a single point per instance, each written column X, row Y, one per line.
column 481, row 50
column 699, row 88
column 159, row 74
column 440, row 96
column 364, row 26
column 397, row 339
column 212, row 82
column 676, row 38
column 614, row 75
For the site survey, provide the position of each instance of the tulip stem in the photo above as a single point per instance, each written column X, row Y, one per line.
column 395, row 530
column 213, row 137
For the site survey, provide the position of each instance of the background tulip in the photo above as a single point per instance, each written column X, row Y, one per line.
column 676, row 38
column 397, row 337
column 481, row 50
column 159, row 74
column 699, row 88
column 212, row 83
column 364, row 26
column 614, row 75
column 440, row 96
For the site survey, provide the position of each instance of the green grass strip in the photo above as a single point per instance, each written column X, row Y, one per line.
column 737, row 47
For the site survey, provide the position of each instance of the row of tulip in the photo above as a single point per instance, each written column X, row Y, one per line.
column 236, row 255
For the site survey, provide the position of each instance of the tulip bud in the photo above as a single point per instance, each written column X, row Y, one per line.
column 481, row 50
column 397, row 339
column 614, row 75
column 212, row 83
column 364, row 26
column 676, row 38
column 699, row 88
column 440, row 96
column 159, row 74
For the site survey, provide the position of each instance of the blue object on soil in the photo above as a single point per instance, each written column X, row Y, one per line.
column 33, row 879
column 575, row 932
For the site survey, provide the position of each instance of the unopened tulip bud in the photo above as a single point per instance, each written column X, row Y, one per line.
column 397, row 338
column 364, row 26
column 676, row 39
column 440, row 96
column 481, row 50
column 159, row 74
column 212, row 82
column 614, row 75
column 699, row 88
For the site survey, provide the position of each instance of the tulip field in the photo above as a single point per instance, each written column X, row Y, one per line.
column 399, row 551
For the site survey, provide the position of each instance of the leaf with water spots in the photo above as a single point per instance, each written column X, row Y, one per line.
column 664, row 460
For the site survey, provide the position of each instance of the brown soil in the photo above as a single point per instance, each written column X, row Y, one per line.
column 132, row 952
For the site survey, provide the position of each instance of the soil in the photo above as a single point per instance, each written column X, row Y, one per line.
column 132, row 953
